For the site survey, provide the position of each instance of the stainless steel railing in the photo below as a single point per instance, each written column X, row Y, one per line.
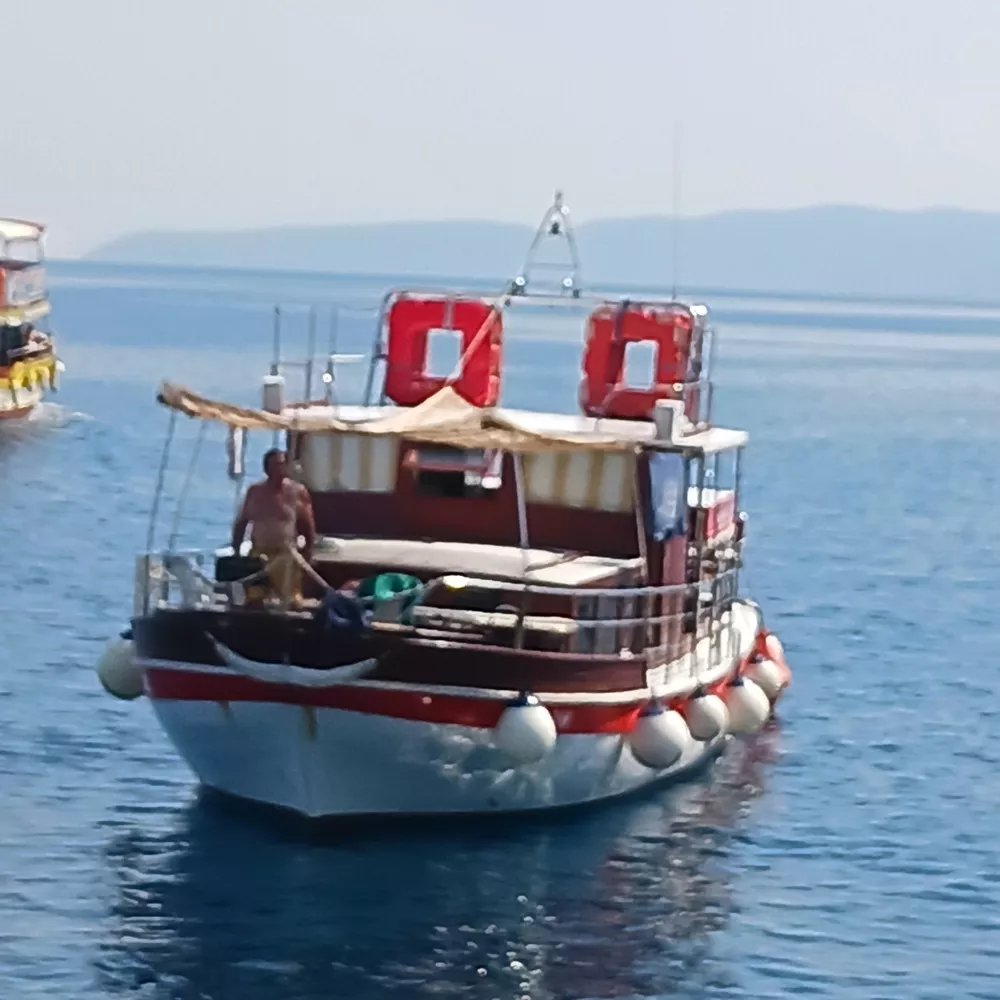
column 658, row 622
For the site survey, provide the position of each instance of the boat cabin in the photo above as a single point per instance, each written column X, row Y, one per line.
column 23, row 290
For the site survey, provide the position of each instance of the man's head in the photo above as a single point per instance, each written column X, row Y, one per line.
column 276, row 466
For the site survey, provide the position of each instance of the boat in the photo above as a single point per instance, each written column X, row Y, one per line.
column 504, row 610
column 28, row 364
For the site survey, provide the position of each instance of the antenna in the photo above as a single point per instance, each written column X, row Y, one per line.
column 555, row 224
column 311, row 342
column 675, row 211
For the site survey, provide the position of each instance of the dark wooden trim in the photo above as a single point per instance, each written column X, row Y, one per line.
column 182, row 636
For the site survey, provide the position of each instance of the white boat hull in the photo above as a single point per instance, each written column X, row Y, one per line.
column 367, row 747
column 323, row 762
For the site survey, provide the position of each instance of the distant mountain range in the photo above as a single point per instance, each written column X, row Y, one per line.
column 836, row 250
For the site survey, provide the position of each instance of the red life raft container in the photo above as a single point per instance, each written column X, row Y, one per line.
column 412, row 320
column 611, row 328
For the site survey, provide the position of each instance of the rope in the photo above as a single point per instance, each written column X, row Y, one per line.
column 305, row 565
column 175, row 527
column 243, row 581
column 485, row 327
column 150, row 534
column 263, row 572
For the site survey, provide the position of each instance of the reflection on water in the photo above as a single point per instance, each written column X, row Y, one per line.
column 618, row 902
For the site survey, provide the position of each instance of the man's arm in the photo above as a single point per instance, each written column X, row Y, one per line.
column 241, row 522
column 307, row 524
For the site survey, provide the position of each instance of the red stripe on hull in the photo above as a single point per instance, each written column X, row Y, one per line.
column 416, row 706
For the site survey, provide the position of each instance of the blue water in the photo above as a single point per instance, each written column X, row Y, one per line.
column 851, row 852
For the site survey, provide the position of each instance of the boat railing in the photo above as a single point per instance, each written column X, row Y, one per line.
column 173, row 579
column 41, row 346
column 612, row 620
column 323, row 362
column 660, row 623
column 696, row 397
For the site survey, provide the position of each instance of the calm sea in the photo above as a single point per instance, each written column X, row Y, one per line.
column 852, row 852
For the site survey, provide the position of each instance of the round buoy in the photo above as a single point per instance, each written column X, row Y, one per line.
column 768, row 676
column 748, row 706
column 660, row 737
column 706, row 716
column 775, row 650
column 117, row 670
column 526, row 730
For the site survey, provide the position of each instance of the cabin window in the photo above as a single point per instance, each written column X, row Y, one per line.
column 713, row 493
column 720, row 473
column 639, row 370
column 21, row 253
column 455, row 472
column 666, row 495
column 444, row 352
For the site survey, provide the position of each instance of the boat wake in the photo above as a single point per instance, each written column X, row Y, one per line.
column 55, row 415
column 45, row 416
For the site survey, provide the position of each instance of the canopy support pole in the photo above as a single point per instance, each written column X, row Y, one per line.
column 154, row 511
column 311, row 342
column 641, row 536
column 522, row 532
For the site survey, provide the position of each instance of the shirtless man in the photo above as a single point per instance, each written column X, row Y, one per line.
column 278, row 510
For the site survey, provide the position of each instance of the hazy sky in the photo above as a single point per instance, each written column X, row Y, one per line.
column 127, row 114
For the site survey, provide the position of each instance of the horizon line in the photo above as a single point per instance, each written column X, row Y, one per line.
column 596, row 220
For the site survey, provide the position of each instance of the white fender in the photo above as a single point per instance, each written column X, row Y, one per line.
column 660, row 737
column 768, row 676
column 748, row 706
column 526, row 730
column 707, row 717
column 118, row 672
column 775, row 650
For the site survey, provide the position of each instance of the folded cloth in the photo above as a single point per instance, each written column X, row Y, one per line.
column 341, row 612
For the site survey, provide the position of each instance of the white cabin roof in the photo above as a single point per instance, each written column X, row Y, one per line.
column 548, row 425
column 448, row 420
column 19, row 229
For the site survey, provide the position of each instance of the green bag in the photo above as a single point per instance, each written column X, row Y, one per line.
column 390, row 596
